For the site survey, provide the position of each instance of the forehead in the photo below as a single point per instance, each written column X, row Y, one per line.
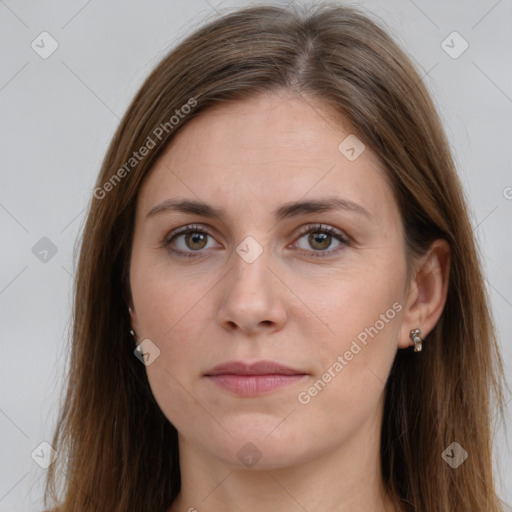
column 262, row 152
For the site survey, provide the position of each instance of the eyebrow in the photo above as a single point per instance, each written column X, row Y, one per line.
column 288, row 210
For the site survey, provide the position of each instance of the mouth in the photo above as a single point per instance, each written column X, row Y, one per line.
column 252, row 379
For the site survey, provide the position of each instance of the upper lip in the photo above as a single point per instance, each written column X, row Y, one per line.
column 256, row 368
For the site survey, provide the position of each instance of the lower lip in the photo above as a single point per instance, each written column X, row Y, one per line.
column 252, row 385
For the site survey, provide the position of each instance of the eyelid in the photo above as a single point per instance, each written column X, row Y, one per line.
column 343, row 238
column 311, row 228
column 183, row 230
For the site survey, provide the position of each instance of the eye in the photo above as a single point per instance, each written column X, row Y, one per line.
column 320, row 238
column 188, row 240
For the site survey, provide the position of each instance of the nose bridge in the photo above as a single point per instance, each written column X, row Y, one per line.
column 251, row 296
column 250, row 271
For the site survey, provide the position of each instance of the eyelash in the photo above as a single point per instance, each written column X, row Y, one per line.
column 328, row 230
column 318, row 228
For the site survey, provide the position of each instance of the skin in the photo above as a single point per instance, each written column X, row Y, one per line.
column 288, row 306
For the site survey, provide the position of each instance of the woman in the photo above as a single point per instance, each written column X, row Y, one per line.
column 279, row 304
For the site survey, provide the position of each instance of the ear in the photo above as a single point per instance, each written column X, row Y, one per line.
column 134, row 321
column 427, row 292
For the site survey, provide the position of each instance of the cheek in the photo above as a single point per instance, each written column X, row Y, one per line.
column 172, row 319
column 363, row 313
column 354, row 299
column 171, row 311
column 355, row 364
column 163, row 296
column 175, row 323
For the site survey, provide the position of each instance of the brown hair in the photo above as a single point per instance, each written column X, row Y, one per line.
column 117, row 451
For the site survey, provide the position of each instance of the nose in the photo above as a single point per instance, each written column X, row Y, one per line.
column 253, row 298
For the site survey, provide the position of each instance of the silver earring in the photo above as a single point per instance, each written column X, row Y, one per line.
column 415, row 336
column 131, row 332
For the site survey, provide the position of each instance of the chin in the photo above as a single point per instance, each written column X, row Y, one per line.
column 260, row 445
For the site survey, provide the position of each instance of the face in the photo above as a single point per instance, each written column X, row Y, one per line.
column 313, row 295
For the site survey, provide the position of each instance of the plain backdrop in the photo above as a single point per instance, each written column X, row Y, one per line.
column 59, row 113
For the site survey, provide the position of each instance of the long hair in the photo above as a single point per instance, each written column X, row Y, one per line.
column 117, row 451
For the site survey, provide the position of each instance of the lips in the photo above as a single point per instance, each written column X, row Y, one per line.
column 257, row 368
column 251, row 379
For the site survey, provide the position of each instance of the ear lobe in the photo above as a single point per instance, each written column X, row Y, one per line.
column 427, row 293
column 134, row 322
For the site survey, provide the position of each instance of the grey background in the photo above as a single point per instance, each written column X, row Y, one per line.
column 59, row 113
